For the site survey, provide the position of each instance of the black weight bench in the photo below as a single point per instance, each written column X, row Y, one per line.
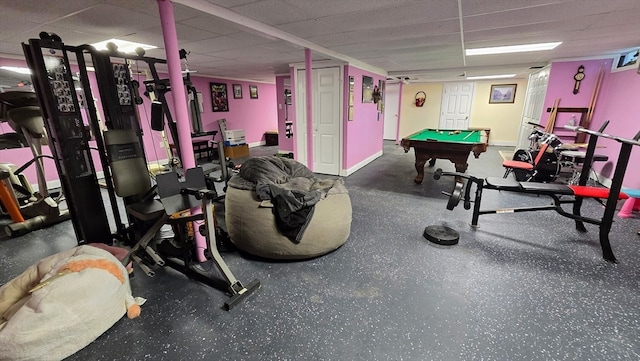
column 561, row 194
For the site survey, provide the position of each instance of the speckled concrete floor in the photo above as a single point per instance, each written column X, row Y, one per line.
column 523, row 286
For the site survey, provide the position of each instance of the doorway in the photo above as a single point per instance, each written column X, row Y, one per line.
column 456, row 105
column 391, row 110
column 327, row 116
column 534, row 101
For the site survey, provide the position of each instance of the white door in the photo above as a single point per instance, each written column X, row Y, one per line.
column 534, row 101
column 327, row 105
column 456, row 105
column 391, row 110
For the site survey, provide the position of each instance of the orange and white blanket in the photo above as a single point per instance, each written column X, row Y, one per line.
column 62, row 303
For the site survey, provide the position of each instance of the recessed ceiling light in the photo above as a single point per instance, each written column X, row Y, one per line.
column 16, row 69
column 512, row 49
column 124, row 46
column 500, row 76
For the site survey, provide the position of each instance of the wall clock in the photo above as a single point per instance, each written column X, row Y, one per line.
column 578, row 78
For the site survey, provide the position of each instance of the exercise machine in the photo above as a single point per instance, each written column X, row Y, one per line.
column 540, row 162
column 29, row 210
column 540, row 165
column 561, row 194
column 174, row 198
column 119, row 145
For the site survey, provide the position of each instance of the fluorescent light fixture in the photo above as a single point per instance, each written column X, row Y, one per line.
column 124, row 46
column 512, row 49
column 16, row 69
column 500, row 76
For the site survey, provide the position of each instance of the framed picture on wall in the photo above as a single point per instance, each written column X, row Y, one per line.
column 253, row 91
column 237, row 91
column 502, row 93
column 219, row 99
column 367, row 89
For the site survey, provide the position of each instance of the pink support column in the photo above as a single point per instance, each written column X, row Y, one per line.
column 399, row 110
column 309, row 102
column 179, row 95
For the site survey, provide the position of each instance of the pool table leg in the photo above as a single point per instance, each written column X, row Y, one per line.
column 461, row 167
column 421, row 159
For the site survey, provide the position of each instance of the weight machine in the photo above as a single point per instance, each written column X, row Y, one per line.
column 557, row 192
column 120, row 146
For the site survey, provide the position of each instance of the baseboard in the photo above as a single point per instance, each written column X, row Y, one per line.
column 347, row 172
column 503, row 143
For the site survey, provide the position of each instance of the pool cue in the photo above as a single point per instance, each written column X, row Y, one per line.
column 551, row 121
column 594, row 97
column 468, row 135
column 592, row 104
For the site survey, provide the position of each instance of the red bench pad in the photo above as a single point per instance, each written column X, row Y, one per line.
column 594, row 192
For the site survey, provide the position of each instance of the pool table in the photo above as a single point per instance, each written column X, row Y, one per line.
column 454, row 145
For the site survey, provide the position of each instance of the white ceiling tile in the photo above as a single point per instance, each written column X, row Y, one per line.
column 31, row 10
column 94, row 20
column 308, row 28
column 425, row 29
column 319, row 9
column 404, row 14
column 534, row 15
column 213, row 24
column 272, row 12
column 479, row 7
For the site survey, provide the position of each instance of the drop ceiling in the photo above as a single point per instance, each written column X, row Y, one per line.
column 423, row 40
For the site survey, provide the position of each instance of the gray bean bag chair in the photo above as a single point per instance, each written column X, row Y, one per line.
column 276, row 208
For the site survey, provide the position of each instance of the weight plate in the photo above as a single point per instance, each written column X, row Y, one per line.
column 441, row 235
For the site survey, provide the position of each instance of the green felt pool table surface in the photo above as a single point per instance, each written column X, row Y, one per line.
column 454, row 136
column 454, row 145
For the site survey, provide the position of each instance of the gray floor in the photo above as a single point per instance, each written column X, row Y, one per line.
column 523, row 286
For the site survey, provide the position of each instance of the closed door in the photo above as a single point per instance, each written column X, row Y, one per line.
column 391, row 110
column 327, row 105
column 534, row 101
column 455, row 111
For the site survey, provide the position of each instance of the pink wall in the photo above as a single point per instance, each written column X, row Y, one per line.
column 254, row 115
column 618, row 101
column 561, row 84
column 362, row 135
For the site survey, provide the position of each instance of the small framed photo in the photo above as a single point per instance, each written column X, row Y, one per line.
column 253, row 91
column 502, row 93
column 237, row 91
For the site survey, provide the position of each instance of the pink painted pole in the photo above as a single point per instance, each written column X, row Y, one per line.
column 399, row 110
column 309, row 102
column 179, row 95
